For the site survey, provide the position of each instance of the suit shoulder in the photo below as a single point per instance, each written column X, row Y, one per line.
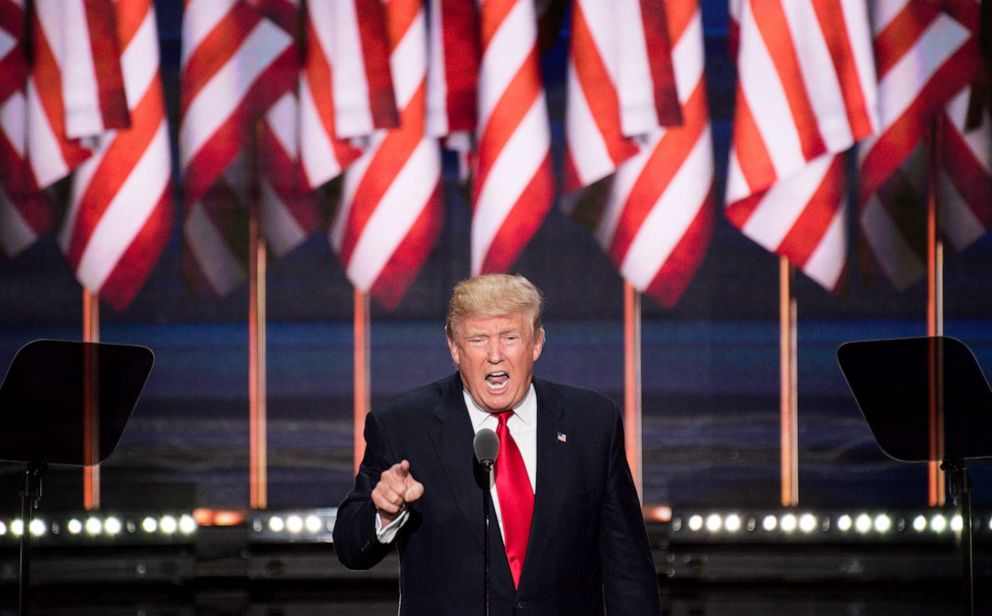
column 412, row 404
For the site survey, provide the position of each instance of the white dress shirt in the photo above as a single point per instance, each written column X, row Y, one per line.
column 523, row 428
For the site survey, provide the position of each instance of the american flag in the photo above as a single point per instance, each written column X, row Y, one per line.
column 25, row 211
column 237, row 62
column 453, row 68
column 75, row 89
column 390, row 212
column 926, row 58
column 288, row 204
column 513, row 183
column 120, row 208
column 805, row 93
column 656, row 218
column 346, row 90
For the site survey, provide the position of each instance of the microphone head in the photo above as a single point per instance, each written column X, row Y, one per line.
column 486, row 445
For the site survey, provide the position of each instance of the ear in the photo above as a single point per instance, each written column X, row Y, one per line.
column 539, row 344
column 453, row 349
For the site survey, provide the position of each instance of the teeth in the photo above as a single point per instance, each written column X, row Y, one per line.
column 497, row 387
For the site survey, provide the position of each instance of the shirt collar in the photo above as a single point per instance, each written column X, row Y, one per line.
column 526, row 411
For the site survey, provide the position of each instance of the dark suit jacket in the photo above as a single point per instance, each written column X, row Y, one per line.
column 588, row 546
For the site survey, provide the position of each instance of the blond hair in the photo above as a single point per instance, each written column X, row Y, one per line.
column 494, row 295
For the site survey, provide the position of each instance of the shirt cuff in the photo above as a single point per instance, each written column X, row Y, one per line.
column 388, row 533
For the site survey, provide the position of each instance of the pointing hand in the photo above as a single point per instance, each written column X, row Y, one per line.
column 395, row 489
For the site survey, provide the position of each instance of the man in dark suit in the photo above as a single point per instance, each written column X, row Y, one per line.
column 569, row 537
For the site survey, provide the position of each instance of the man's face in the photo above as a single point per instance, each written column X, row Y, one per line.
column 495, row 356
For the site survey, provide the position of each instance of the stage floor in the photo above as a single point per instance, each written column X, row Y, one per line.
column 380, row 600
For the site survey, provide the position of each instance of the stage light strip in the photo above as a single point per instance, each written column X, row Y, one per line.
column 110, row 527
column 789, row 524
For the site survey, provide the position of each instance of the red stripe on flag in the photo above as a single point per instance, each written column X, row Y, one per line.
column 901, row 34
column 461, row 61
column 511, row 108
column 399, row 272
column 13, row 66
column 662, row 166
column 680, row 267
column 139, row 259
column 842, row 54
column 659, row 48
column 47, row 82
column 392, row 154
column 375, row 49
column 492, row 18
column 102, row 25
column 597, row 86
column 215, row 50
column 749, row 145
column 902, row 135
column 970, row 178
column 774, row 27
column 522, row 222
column 806, row 232
column 114, row 168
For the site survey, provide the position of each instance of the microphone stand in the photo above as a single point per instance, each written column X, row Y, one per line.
column 488, row 466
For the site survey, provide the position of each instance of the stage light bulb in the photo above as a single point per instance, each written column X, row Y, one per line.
column 807, row 523
column 37, row 528
column 862, row 523
column 112, row 526
column 294, row 524
column 149, row 525
column 74, row 526
column 732, row 523
column 187, row 524
column 93, row 526
column 788, row 523
column 17, row 527
column 313, row 524
column 957, row 523
column 276, row 524
column 3, row 529
column 769, row 523
column 919, row 523
column 883, row 523
column 844, row 523
column 938, row 523
column 695, row 523
column 168, row 525
column 713, row 522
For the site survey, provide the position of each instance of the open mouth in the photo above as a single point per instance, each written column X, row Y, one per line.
column 497, row 382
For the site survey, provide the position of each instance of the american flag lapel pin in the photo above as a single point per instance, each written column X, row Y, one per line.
column 562, row 437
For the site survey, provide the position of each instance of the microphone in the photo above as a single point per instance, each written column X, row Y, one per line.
column 486, row 445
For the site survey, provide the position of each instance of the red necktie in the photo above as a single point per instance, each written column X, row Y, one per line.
column 516, row 497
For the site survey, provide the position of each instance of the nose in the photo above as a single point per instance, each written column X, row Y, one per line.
column 494, row 352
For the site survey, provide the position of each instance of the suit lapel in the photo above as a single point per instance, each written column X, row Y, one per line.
column 550, row 491
column 452, row 438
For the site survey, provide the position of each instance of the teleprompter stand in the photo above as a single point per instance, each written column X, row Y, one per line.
column 64, row 402
column 926, row 399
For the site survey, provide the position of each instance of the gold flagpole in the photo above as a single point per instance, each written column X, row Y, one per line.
column 632, row 383
column 362, row 380
column 935, row 317
column 257, row 397
column 788, row 387
column 91, row 433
